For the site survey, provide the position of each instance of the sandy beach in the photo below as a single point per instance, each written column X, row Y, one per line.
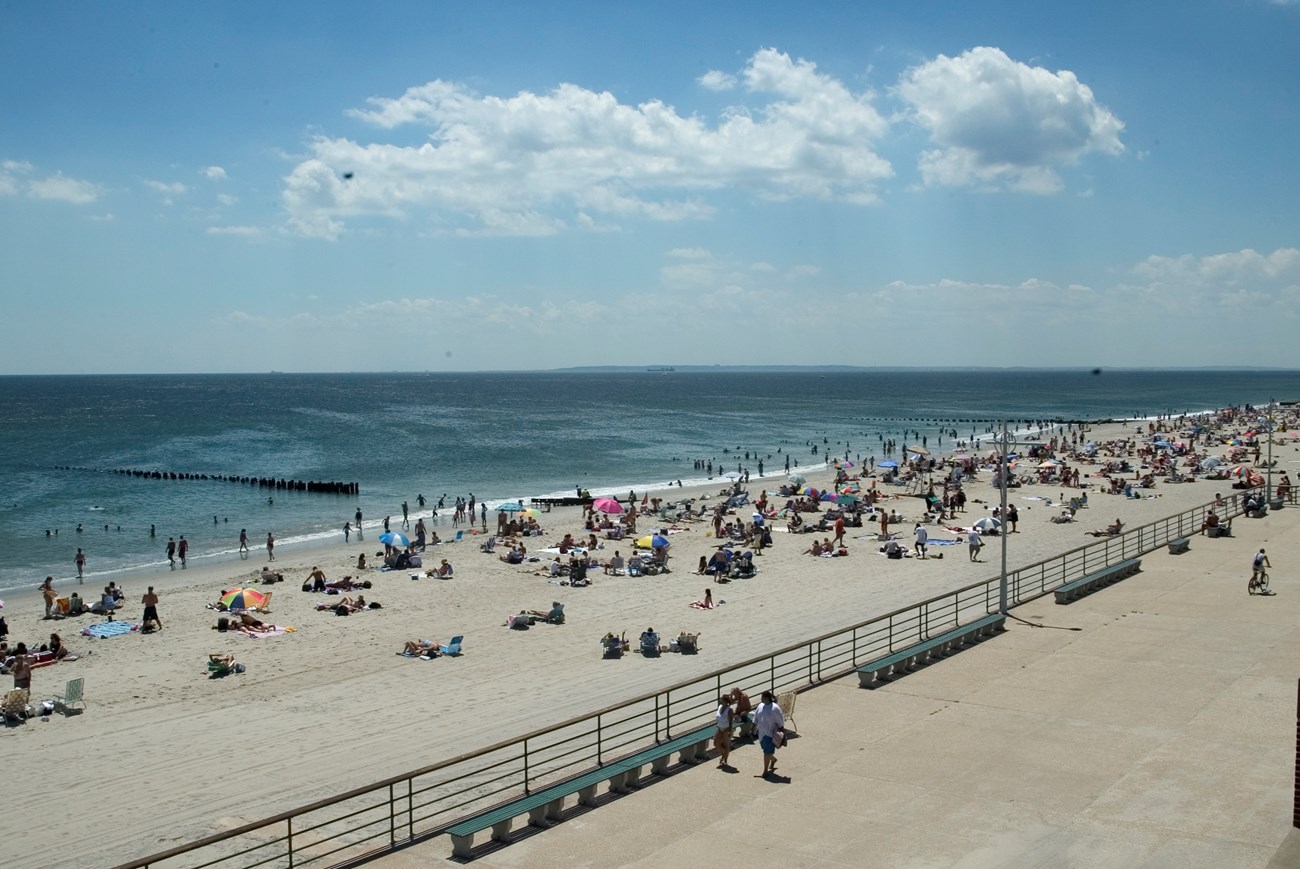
column 164, row 754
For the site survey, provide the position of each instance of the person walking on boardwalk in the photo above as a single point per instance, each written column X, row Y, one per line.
column 722, row 733
column 770, row 721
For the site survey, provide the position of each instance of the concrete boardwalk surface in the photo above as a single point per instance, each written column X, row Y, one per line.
column 1152, row 724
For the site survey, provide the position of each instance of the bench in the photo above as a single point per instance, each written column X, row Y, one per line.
column 1098, row 579
column 546, row 805
column 1179, row 545
column 897, row 663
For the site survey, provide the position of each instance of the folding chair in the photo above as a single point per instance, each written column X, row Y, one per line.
column 71, row 695
column 786, row 702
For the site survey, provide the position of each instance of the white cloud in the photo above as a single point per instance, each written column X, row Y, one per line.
column 168, row 189
column 227, row 199
column 1222, row 273
column 60, row 188
column 214, row 173
column 713, row 80
column 242, row 231
column 999, row 123
column 531, row 163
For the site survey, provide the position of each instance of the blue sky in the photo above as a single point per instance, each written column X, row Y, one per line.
column 454, row 186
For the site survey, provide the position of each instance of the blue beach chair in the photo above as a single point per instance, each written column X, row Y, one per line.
column 453, row 648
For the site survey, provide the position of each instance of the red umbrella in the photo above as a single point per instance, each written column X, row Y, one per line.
column 607, row 505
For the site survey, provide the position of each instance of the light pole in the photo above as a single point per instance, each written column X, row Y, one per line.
column 1004, row 440
column 1268, row 485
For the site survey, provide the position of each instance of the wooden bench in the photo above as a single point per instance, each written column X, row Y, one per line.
column 1086, row 585
column 897, row 663
column 546, row 805
column 1179, row 545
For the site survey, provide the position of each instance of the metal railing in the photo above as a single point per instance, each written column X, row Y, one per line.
column 350, row 827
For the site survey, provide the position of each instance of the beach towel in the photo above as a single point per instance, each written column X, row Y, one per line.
column 261, row 634
column 103, row 630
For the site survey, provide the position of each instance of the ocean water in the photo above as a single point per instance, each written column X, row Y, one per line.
column 499, row 436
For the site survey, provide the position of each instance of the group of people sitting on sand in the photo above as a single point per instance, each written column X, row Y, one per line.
column 244, row 623
column 527, row 618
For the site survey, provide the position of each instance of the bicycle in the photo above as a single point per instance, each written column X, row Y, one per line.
column 1259, row 584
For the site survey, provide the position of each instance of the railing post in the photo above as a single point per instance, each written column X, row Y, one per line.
column 392, row 817
column 526, row 775
column 668, row 714
column 810, row 660
column 410, row 809
column 288, row 823
column 656, row 718
column 600, row 761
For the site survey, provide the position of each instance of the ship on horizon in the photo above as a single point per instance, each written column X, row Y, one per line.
column 662, row 369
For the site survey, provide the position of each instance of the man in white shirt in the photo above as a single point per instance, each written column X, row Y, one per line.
column 922, row 538
column 768, row 719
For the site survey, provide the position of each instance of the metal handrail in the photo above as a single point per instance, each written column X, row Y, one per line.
column 476, row 780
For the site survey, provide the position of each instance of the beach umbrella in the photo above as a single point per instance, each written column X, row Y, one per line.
column 1238, row 471
column 888, row 463
column 1162, row 445
column 811, row 492
column 731, row 475
column 1050, row 463
column 243, row 599
column 651, row 541
column 530, row 513
column 988, row 523
column 830, row 496
column 796, row 479
column 607, row 505
column 1211, row 462
column 392, row 538
column 511, row 507
column 920, row 451
column 847, row 498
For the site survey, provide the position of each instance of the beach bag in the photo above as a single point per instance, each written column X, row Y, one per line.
column 341, row 610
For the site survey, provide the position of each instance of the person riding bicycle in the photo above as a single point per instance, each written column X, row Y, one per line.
column 1257, row 569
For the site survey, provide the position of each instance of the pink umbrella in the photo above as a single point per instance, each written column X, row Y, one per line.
column 607, row 505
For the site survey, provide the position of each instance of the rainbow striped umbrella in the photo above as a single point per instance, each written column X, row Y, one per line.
column 243, row 599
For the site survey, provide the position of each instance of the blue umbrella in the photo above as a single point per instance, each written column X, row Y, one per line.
column 889, row 463
column 658, row 540
column 511, row 507
column 392, row 538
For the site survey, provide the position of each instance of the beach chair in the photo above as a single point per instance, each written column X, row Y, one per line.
column 649, row 645
column 266, row 604
column 688, row 644
column 71, row 695
column 489, row 544
column 786, row 703
column 460, row 535
column 452, row 648
column 14, row 705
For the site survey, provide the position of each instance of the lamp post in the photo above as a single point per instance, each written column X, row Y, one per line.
column 1004, row 440
column 1268, row 485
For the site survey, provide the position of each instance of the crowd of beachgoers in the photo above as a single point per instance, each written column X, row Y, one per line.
column 723, row 569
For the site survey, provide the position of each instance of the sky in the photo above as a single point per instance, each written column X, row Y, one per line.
column 449, row 186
